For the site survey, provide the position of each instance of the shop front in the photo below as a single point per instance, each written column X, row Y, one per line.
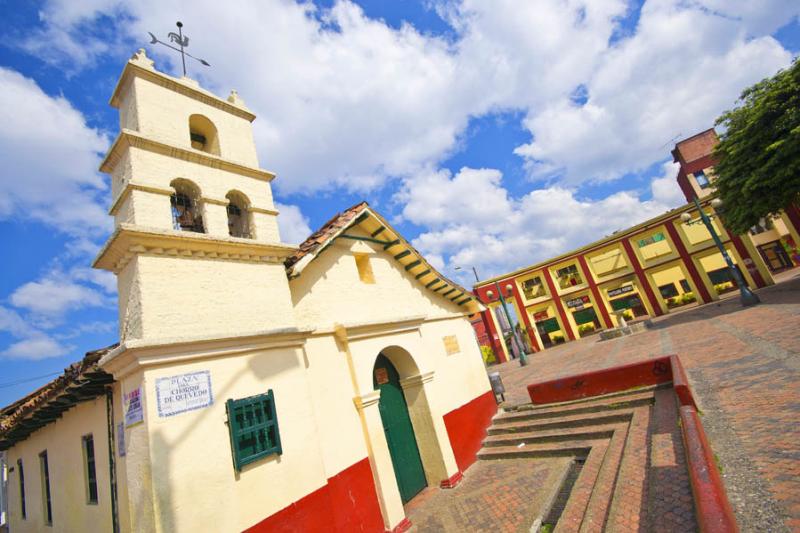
column 581, row 308
column 627, row 298
column 548, row 327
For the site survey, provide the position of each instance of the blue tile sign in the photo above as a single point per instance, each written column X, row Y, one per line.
column 184, row 392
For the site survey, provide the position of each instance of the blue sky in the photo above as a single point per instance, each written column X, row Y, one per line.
column 493, row 134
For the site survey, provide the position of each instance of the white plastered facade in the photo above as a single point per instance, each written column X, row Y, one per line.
column 223, row 305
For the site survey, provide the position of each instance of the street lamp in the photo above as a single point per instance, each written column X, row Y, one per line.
column 747, row 297
column 523, row 357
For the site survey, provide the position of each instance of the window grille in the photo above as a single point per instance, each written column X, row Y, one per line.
column 185, row 216
column 47, row 505
column 253, row 427
column 90, row 469
column 23, row 509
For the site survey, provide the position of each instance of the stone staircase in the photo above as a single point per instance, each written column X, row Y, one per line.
column 615, row 441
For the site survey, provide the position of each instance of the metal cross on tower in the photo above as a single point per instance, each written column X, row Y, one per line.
column 181, row 40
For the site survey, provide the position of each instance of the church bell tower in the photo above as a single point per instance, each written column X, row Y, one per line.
column 196, row 248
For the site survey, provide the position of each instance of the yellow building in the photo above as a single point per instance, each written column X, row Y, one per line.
column 644, row 271
column 256, row 385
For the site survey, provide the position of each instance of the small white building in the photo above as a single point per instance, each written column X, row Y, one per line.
column 256, row 385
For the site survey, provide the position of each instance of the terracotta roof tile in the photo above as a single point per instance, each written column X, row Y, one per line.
column 323, row 234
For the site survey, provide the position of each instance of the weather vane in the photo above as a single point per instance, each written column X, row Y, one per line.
column 180, row 40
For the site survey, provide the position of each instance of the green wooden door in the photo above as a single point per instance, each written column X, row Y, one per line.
column 398, row 429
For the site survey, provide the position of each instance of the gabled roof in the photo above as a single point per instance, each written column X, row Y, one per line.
column 80, row 381
column 382, row 234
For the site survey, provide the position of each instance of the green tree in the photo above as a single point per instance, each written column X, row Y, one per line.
column 758, row 169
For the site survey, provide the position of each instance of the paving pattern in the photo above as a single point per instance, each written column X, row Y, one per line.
column 744, row 366
column 497, row 496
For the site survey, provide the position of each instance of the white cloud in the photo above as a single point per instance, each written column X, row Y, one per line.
column 53, row 297
column 50, row 158
column 33, row 343
column 36, row 348
column 474, row 221
column 294, row 226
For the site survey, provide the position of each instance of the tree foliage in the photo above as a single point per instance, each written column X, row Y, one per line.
column 758, row 168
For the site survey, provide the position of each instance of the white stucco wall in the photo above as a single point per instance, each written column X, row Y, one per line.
column 62, row 440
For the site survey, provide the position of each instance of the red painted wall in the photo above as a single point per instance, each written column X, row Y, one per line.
column 599, row 304
column 687, row 260
column 466, row 428
column 526, row 321
column 649, row 372
column 640, row 275
column 348, row 502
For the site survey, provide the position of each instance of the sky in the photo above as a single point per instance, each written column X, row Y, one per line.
column 491, row 134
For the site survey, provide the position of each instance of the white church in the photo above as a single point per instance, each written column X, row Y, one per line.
column 256, row 386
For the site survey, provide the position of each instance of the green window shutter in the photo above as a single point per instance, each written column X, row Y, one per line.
column 253, row 427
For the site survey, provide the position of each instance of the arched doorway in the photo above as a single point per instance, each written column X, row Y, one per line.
column 399, row 432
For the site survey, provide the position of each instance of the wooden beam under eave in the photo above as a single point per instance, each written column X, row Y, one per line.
column 413, row 264
column 450, row 291
column 391, row 243
column 361, row 218
column 403, row 254
column 423, row 274
column 378, row 231
column 465, row 300
column 434, row 282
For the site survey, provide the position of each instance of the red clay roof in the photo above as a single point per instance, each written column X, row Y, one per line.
column 323, row 234
column 80, row 381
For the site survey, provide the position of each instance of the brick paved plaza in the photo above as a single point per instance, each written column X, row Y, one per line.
column 744, row 366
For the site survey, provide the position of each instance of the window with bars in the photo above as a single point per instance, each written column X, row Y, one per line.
column 47, row 505
column 21, row 470
column 253, row 427
column 89, row 468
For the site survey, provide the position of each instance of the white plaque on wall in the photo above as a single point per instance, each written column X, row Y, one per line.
column 184, row 392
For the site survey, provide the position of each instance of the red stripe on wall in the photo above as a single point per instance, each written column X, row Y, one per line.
column 525, row 319
column 559, row 305
column 687, row 260
column 494, row 337
column 745, row 255
column 599, row 302
column 466, row 428
column 686, row 187
column 640, row 275
column 348, row 502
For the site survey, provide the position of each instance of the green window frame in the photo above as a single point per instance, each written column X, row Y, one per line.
column 47, row 503
column 253, row 428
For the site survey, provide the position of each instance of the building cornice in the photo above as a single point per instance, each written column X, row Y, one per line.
column 129, row 138
column 129, row 240
column 133, row 68
column 138, row 354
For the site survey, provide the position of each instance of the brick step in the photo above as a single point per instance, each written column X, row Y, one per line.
column 575, row 510
column 606, row 404
column 572, row 421
column 626, row 508
column 611, row 476
column 575, row 448
column 588, row 400
column 603, row 431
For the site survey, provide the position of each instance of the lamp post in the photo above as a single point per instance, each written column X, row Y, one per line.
column 523, row 357
column 747, row 297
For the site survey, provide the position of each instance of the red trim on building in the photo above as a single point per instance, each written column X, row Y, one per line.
column 641, row 276
column 466, row 428
column 686, row 187
column 404, row 525
column 452, row 481
column 525, row 319
column 598, row 298
column 494, row 337
column 551, row 286
column 699, row 164
column 597, row 382
column 347, row 502
column 793, row 213
column 745, row 255
column 687, row 260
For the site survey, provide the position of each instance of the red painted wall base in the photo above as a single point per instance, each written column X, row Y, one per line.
column 466, row 428
column 452, row 481
column 404, row 525
column 348, row 502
